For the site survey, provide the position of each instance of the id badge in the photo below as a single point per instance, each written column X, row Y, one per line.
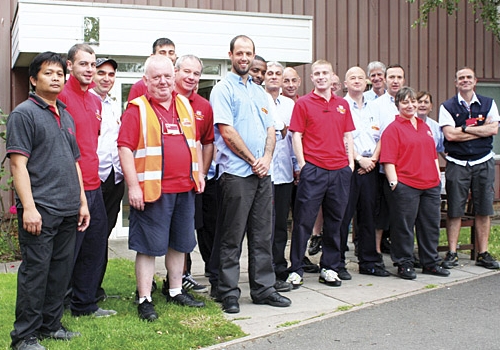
column 171, row 129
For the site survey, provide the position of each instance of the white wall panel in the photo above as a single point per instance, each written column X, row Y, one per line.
column 128, row 30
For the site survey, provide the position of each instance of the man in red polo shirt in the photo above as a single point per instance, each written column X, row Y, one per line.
column 90, row 249
column 322, row 141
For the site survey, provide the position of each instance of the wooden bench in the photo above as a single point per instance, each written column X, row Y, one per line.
column 468, row 220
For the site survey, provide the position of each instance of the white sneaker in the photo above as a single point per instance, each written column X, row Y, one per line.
column 330, row 278
column 295, row 280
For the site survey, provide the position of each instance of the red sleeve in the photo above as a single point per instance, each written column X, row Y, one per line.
column 298, row 120
column 130, row 128
column 205, row 128
column 389, row 145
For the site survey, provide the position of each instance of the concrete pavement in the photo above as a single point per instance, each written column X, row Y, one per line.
column 313, row 301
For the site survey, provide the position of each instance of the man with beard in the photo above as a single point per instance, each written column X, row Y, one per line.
column 245, row 140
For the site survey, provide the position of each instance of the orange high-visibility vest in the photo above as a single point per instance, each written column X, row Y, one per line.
column 148, row 157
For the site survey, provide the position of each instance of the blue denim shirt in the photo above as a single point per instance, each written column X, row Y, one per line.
column 246, row 108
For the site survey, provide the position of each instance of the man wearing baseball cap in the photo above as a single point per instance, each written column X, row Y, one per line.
column 110, row 171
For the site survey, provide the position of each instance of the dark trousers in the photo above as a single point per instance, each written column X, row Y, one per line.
column 246, row 205
column 206, row 232
column 329, row 189
column 362, row 202
column 112, row 195
column 205, row 218
column 43, row 273
column 282, row 197
column 90, row 250
column 411, row 209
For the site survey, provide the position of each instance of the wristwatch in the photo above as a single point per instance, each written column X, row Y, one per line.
column 392, row 184
column 358, row 158
column 464, row 126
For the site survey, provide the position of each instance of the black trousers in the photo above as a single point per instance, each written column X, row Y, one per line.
column 362, row 202
column 414, row 210
column 112, row 195
column 282, row 197
column 330, row 190
column 90, row 251
column 43, row 273
column 246, row 206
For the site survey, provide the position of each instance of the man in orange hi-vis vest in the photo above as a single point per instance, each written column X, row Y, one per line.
column 160, row 155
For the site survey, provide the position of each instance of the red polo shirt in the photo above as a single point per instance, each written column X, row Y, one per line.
column 412, row 151
column 323, row 124
column 204, row 118
column 85, row 108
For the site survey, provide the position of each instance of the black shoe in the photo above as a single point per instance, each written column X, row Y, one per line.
column 308, row 266
column 487, row 261
column 450, row 260
column 147, row 311
column 190, row 284
column 185, row 299
column 314, row 245
column 275, row 299
column 407, row 272
column 436, row 270
column 282, row 286
column 380, row 263
column 230, row 305
column 343, row 274
column 61, row 334
column 374, row 271
column 28, row 343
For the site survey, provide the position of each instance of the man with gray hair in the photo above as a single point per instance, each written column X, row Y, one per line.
column 376, row 73
column 281, row 108
column 161, row 197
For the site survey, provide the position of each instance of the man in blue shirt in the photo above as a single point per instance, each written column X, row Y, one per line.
column 245, row 139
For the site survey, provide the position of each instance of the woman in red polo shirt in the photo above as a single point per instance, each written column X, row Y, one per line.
column 409, row 157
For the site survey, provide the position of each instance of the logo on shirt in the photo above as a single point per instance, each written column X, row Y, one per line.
column 199, row 115
column 98, row 115
column 341, row 109
column 71, row 132
column 264, row 110
column 430, row 133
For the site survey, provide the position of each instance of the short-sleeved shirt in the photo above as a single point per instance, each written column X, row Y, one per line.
column 204, row 118
column 85, row 108
column 176, row 152
column 437, row 133
column 385, row 110
column 34, row 130
column 246, row 108
column 107, row 150
column 282, row 164
column 323, row 124
column 367, row 132
column 412, row 151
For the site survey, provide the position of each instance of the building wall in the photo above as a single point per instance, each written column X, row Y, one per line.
column 353, row 32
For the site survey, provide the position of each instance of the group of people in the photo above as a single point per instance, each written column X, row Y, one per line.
column 230, row 167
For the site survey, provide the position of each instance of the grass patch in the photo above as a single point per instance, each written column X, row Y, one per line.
column 288, row 324
column 345, row 307
column 177, row 327
column 431, row 286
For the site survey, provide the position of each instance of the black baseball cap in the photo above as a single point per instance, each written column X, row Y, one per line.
column 100, row 61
